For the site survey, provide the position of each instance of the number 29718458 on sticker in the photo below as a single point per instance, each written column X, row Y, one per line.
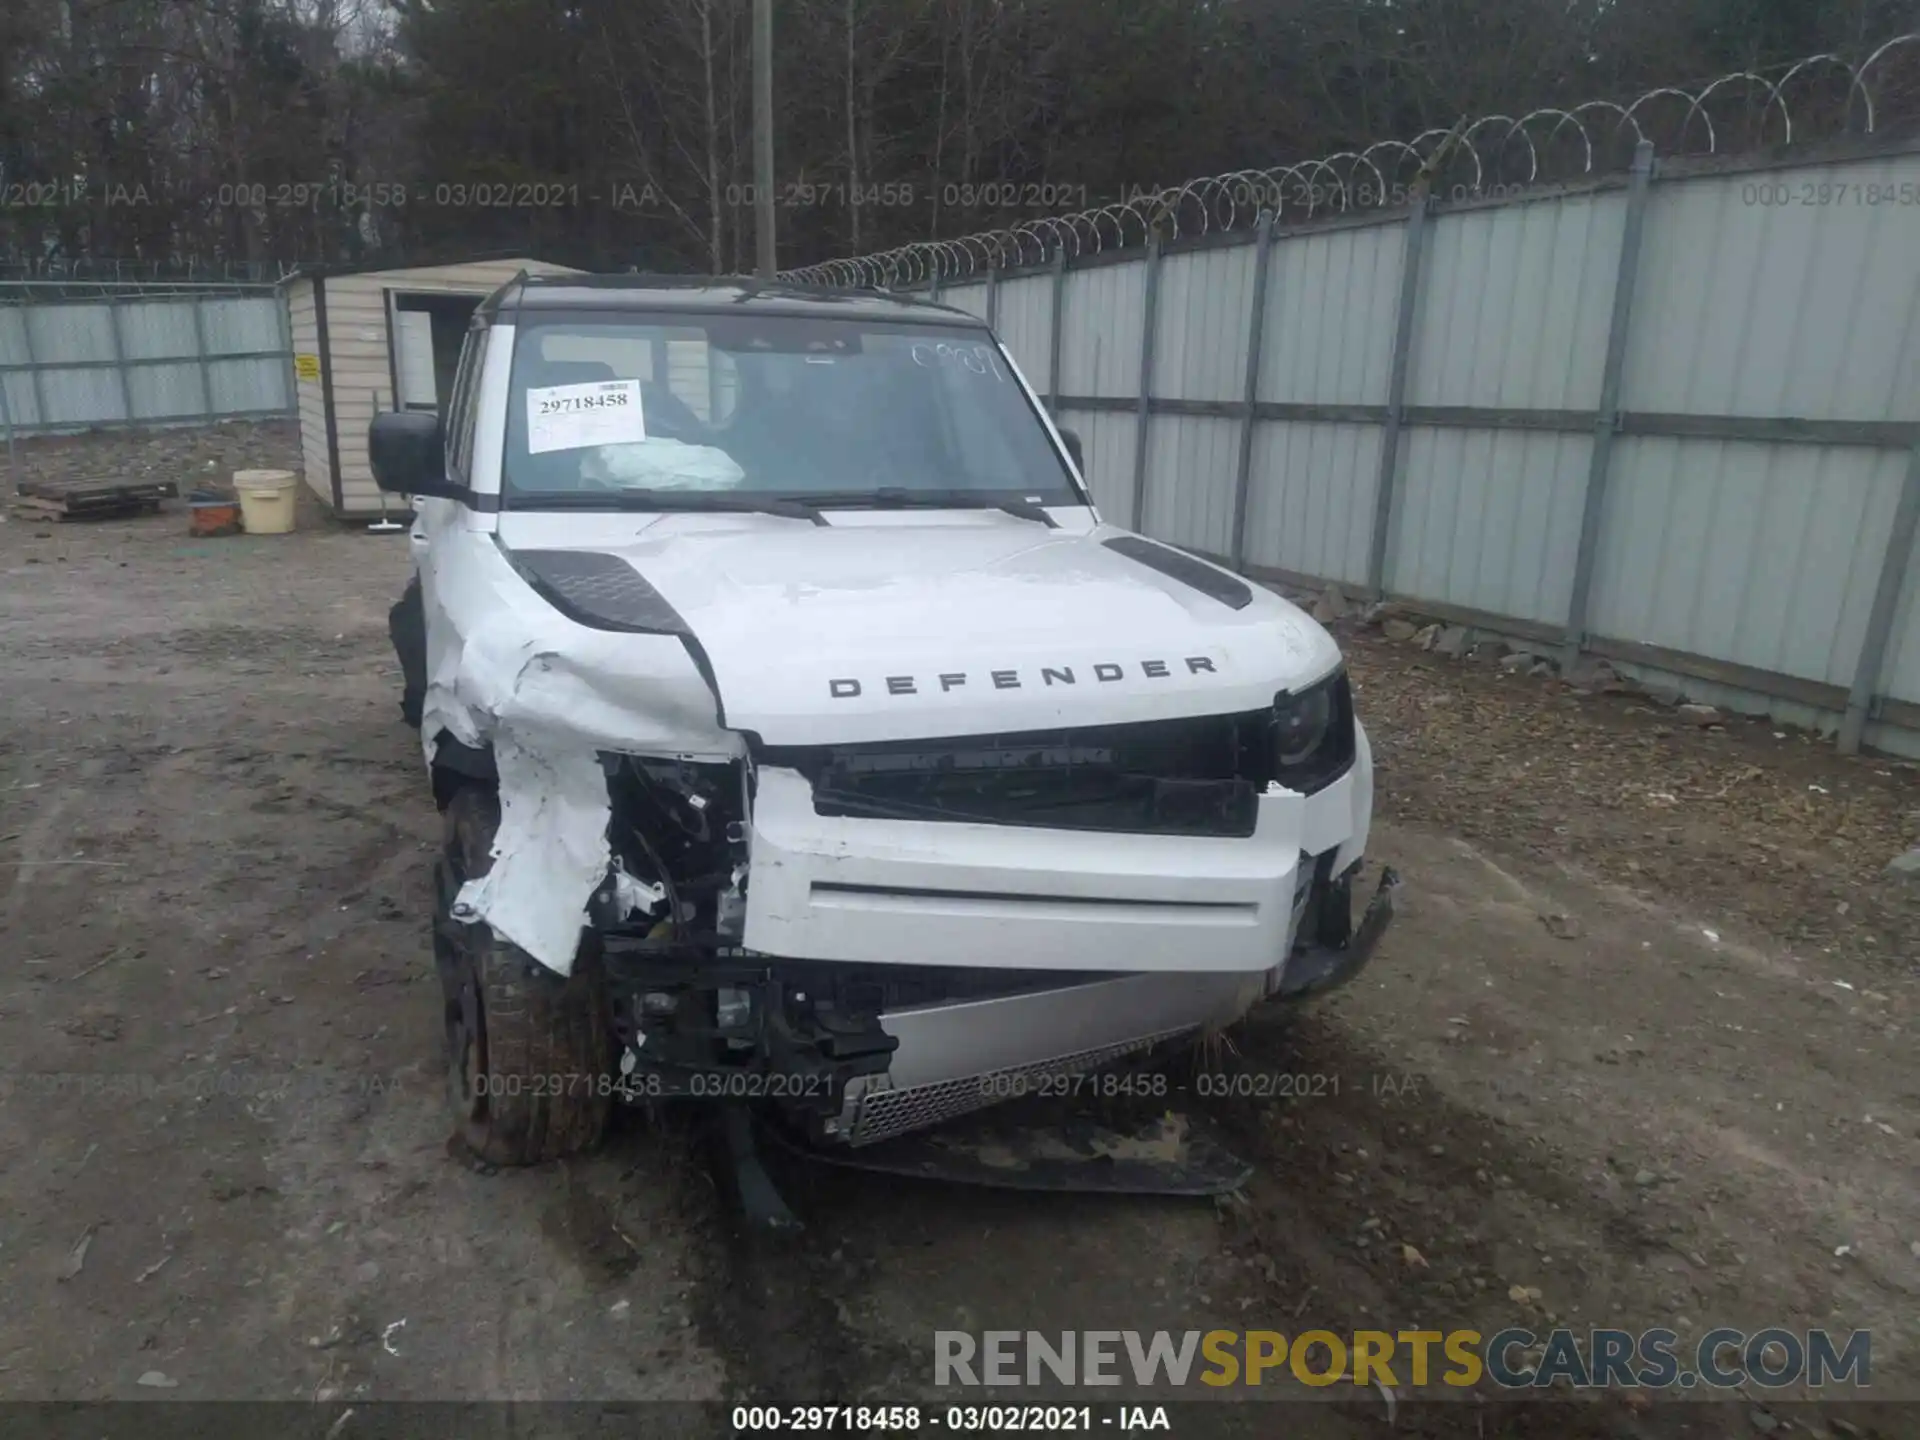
column 578, row 417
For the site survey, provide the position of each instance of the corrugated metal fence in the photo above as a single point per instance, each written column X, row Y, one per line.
column 116, row 356
column 1670, row 417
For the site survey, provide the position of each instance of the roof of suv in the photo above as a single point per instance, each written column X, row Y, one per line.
column 719, row 294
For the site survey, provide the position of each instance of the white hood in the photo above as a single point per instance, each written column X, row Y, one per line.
column 920, row 626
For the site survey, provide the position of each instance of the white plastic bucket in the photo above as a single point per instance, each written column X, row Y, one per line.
column 266, row 500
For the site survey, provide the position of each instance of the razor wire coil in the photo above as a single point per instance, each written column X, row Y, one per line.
column 1484, row 157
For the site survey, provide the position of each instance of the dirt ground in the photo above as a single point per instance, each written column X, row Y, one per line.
column 1639, row 1050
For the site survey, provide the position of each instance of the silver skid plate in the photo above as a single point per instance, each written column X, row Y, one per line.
column 1017, row 1147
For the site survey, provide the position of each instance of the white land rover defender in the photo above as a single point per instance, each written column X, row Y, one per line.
column 803, row 733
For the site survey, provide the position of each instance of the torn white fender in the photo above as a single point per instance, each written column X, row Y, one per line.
column 547, row 696
column 550, row 852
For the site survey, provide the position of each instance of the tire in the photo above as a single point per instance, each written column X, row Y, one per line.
column 529, row 1054
column 407, row 625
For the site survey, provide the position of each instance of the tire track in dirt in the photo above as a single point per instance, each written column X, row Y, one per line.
column 29, row 869
column 772, row 1303
column 1344, row 1182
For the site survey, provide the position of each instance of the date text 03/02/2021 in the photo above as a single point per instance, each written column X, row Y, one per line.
column 1204, row 1085
column 950, row 1419
column 655, row 1085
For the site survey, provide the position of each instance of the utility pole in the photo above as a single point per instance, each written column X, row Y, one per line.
column 763, row 137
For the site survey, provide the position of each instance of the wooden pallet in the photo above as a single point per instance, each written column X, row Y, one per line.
column 90, row 499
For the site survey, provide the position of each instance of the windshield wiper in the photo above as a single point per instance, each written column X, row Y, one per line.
column 692, row 501
column 896, row 497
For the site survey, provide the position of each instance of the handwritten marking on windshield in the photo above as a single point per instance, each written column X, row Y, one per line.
column 978, row 359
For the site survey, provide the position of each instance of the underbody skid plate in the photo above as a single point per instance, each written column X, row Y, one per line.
column 1043, row 1150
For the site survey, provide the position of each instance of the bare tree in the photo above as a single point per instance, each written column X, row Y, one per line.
column 665, row 81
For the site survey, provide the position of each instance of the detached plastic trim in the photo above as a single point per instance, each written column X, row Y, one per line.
column 1314, row 969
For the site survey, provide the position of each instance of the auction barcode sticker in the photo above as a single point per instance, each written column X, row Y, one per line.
column 574, row 417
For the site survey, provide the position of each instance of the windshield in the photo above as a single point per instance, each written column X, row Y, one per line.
column 754, row 406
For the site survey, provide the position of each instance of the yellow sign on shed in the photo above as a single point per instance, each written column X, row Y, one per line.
column 307, row 367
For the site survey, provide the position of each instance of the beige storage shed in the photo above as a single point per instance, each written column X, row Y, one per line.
column 369, row 340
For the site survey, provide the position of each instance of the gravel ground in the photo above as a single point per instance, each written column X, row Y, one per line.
column 1638, row 1051
column 1742, row 818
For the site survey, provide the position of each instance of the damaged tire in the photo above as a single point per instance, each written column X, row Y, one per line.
column 529, row 1053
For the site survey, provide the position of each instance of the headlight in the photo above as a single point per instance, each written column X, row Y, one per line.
column 1300, row 725
column 1313, row 733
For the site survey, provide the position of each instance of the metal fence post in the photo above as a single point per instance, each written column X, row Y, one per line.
column 1256, row 339
column 1886, row 599
column 120, row 359
column 33, row 369
column 1606, row 421
column 1149, row 323
column 289, row 377
column 1397, row 391
column 13, row 460
column 200, row 354
column 1053, row 340
column 993, row 295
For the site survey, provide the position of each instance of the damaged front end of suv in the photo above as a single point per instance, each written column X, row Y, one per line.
column 866, row 804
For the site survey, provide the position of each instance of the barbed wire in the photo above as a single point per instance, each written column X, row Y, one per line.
column 108, row 270
column 1487, row 156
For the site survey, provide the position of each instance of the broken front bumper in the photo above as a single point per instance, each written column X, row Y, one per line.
column 914, row 971
column 966, row 895
column 916, row 1065
column 954, row 1058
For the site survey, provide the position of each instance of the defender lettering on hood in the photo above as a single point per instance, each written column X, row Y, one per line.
column 897, row 628
column 1105, row 673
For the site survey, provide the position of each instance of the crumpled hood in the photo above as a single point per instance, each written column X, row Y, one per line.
column 953, row 625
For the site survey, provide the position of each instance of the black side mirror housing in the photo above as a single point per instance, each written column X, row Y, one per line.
column 1071, row 439
column 408, row 452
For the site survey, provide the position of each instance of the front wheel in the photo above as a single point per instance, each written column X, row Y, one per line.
column 529, row 1053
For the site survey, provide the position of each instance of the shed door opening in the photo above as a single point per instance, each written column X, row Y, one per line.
column 425, row 333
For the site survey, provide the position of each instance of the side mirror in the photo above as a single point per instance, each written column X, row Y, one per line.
column 409, row 455
column 1071, row 439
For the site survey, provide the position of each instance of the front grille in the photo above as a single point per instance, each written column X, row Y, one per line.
column 1200, row 776
column 883, row 1114
column 1197, row 776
